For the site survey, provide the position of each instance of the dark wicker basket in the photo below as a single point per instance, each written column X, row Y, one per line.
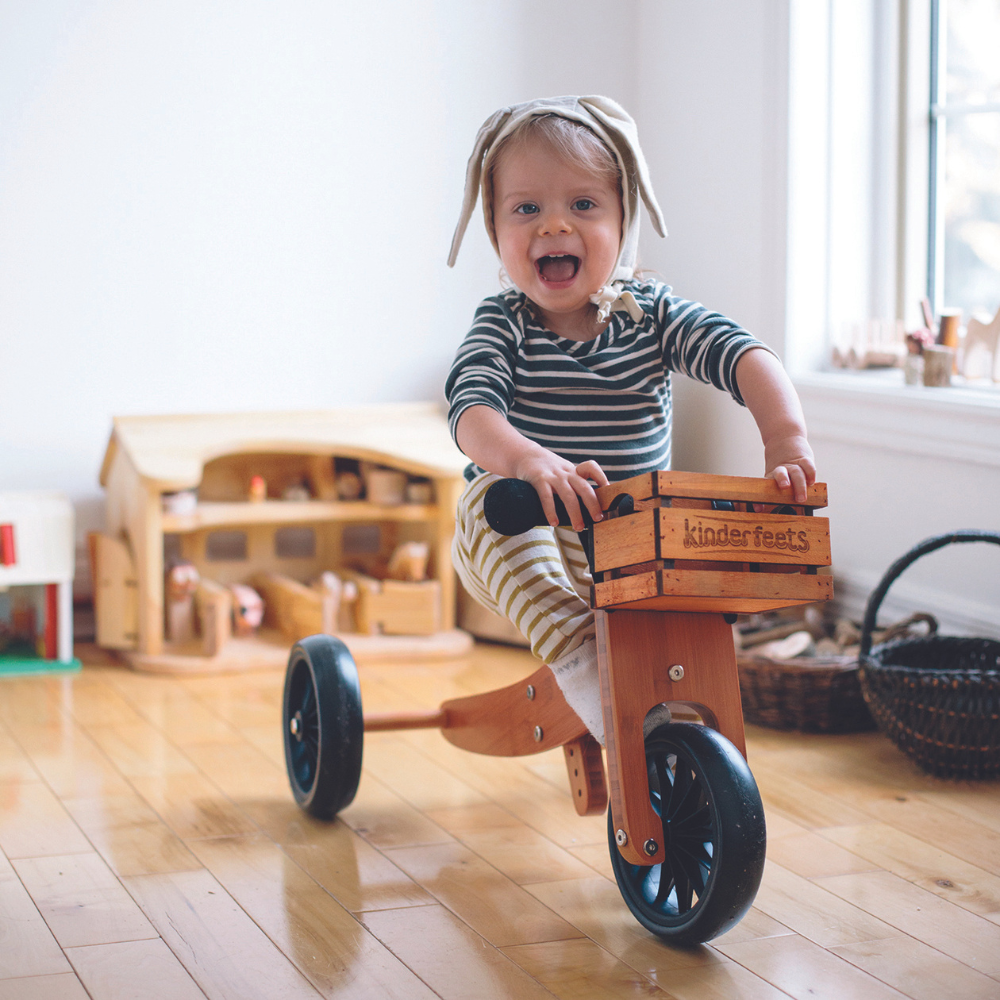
column 937, row 698
column 811, row 694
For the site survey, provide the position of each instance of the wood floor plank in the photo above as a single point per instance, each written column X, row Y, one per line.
column 937, row 922
column 512, row 786
column 806, row 971
column 929, row 867
column 450, row 957
column 801, row 803
column 66, row 757
column 415, row 778
column 813, row 912
column 977, row 801
column 224, row 951
column 595, row 906
column 357, row 875
column 192, row 806
column 510, row 846
column 241, row 771
column 581, row 970
column 269, row 740
column 719, row 981
column 140, row 750
column 27, row 947
column 597, row 857
column 175, row 712
column 65, row 986
column 35, row 701
column 969, row 840
column 142, row 849
column 130, row 969
column 325, row 942
column 918, row 971
column 33, row 823
column 104, row 812
column 98, row 703
column 385, row 820
column 82, row 901
column 15, row 765
column 808, row 854
column 490, row 903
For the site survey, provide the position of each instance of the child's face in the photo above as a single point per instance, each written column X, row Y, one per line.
column 558, row 227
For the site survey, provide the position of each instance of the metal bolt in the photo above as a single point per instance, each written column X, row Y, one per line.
column 650, row 847
column 621, row 838
column 676, row 672
column 539, row 733
column 295, row 725
column 531, row 692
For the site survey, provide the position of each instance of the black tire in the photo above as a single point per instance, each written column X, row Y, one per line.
column 323, row 725
column 713, row 829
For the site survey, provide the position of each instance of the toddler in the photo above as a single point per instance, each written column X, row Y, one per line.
column 564, row 378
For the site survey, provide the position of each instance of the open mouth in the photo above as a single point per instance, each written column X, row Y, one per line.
column 557, row 268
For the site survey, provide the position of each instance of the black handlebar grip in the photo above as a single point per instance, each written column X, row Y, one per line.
column 511, row 507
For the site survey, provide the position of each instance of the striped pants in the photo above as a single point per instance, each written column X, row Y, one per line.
column 539, row 580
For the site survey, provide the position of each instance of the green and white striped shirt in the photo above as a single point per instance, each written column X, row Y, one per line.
column 606, row 399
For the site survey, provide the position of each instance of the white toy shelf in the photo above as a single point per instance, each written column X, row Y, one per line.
column 36, row 584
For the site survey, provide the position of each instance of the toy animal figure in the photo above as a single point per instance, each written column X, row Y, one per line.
column 181, row 584
column 337, row 596
column 409, row 562
column 248, row 609
column 982, row 349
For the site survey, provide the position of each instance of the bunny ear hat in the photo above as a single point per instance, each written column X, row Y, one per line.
column 618, row 131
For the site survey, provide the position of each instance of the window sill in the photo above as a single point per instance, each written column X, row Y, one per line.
column 875, row 409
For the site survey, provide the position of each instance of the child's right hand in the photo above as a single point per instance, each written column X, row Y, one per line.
column 554, row 476
column 489, row 440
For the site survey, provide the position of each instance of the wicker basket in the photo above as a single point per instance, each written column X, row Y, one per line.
column 811, row 694
column 937, row 698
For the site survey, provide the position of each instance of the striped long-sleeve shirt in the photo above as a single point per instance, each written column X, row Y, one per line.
column 606, row 399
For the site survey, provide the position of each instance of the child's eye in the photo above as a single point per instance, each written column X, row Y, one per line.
column 582, row 204
column 528, row 208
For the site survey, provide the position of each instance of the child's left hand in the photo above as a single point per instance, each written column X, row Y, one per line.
column 789, row 462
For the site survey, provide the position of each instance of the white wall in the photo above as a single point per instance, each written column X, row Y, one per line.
column 244, row 205
column 712, row 118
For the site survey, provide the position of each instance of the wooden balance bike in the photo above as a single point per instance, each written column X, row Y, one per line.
column 677, row 556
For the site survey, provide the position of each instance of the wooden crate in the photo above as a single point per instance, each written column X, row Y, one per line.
column 677, row 551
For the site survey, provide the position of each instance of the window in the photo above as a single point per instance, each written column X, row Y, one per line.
column 226, row 546
column 964, row 178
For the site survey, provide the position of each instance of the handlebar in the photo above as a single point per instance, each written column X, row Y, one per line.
column 512, row 506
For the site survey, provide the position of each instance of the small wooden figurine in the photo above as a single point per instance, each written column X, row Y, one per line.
column 181, row 584
column 408, row 562
column 258, row 489
column 248, row 609
column 981, row 358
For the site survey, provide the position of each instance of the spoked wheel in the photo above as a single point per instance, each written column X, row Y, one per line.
column 713, row 832
column 323, row 725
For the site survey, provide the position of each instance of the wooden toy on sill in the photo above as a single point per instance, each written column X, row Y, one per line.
column 37, row 551
column 280, row 547
column 981, row 354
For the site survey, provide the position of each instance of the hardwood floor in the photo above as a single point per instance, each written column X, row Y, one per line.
column 151, row 848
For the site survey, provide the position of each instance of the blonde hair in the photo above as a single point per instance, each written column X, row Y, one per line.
column 570, row 140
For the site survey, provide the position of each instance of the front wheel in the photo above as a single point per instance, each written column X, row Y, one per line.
column 713, row 835
column 323, row 725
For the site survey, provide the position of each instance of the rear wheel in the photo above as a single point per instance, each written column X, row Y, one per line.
column 713, row 834
column 323, row 725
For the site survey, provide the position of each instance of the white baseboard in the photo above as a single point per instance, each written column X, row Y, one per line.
column 956, row 616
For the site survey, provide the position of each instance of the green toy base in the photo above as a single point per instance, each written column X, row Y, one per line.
column 13, row 667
